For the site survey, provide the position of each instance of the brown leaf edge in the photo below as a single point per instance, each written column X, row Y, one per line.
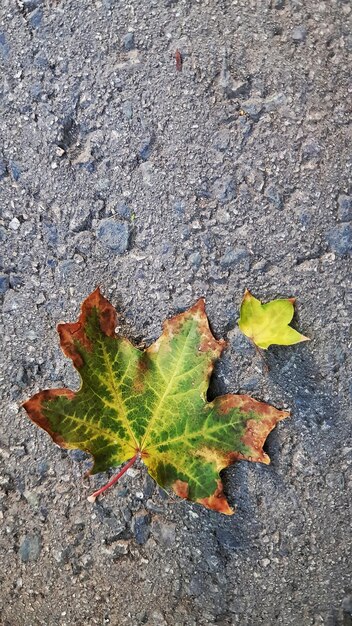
column 34, row 408
column 170, row 328
column 75, row 331
column 253, row 438
column 70, row 333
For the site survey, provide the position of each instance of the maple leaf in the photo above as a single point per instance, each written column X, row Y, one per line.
column 266, row 324
column 152, row 404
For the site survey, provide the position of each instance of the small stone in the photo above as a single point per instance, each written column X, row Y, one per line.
column 299, row 34
column 148, row 486
column 335, row 480
column 166, row 533
column 128, row 42
column 223, row 216
column 14, row 224
column 345, row 208
column 265, row 562
column 195, row 260
column 42, row 468
column 235, row 89
column 30, row 548
column 311, row 150
column 89, row 167
column 245, row 126
column 213, row 562
column 224, row 189
column 21, row 376
column 132, row 472
column 233, row 257
column 141, row 526
column 202, row 191
column 36, row 18
column 153, row 506
column 140, row 618
column 146, row 147
column 36, row 91
column 15, row 281
column 41, row 61
column 340, row 239
column 31, row 498
column 305, row 217
column 124, row 211
column 60, row 555
column 126, row 514
column 179, row 207
column 80, row 219
column 121, row 548
column 14, row 171
column 146, row 172
column 50, row 233
column 114, row 235
column 13, row 302
column 84, row 241
column 66, row 269
column 279, row 4
column 4, row 283
column 274, row 102
column 40, row 299
column 253, row 108
column 273, row 194
column 222, row 139
column 157, row 619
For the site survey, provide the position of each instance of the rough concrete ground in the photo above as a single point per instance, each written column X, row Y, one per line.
column 162, row 186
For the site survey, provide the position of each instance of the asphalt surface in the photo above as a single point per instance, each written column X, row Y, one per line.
column 163, row 177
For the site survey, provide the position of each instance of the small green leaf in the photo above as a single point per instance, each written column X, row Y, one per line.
column 267, row 324
column 152, row 404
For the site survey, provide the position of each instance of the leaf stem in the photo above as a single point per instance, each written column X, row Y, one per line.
column 114, row 479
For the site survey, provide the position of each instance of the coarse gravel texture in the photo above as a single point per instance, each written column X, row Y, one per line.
column 161, row 186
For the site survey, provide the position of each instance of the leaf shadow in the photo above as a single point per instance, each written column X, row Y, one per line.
column 294, row 378
column 217, row 385
column 302, row 385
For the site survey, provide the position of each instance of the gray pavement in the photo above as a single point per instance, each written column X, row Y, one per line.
column 161, row 186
